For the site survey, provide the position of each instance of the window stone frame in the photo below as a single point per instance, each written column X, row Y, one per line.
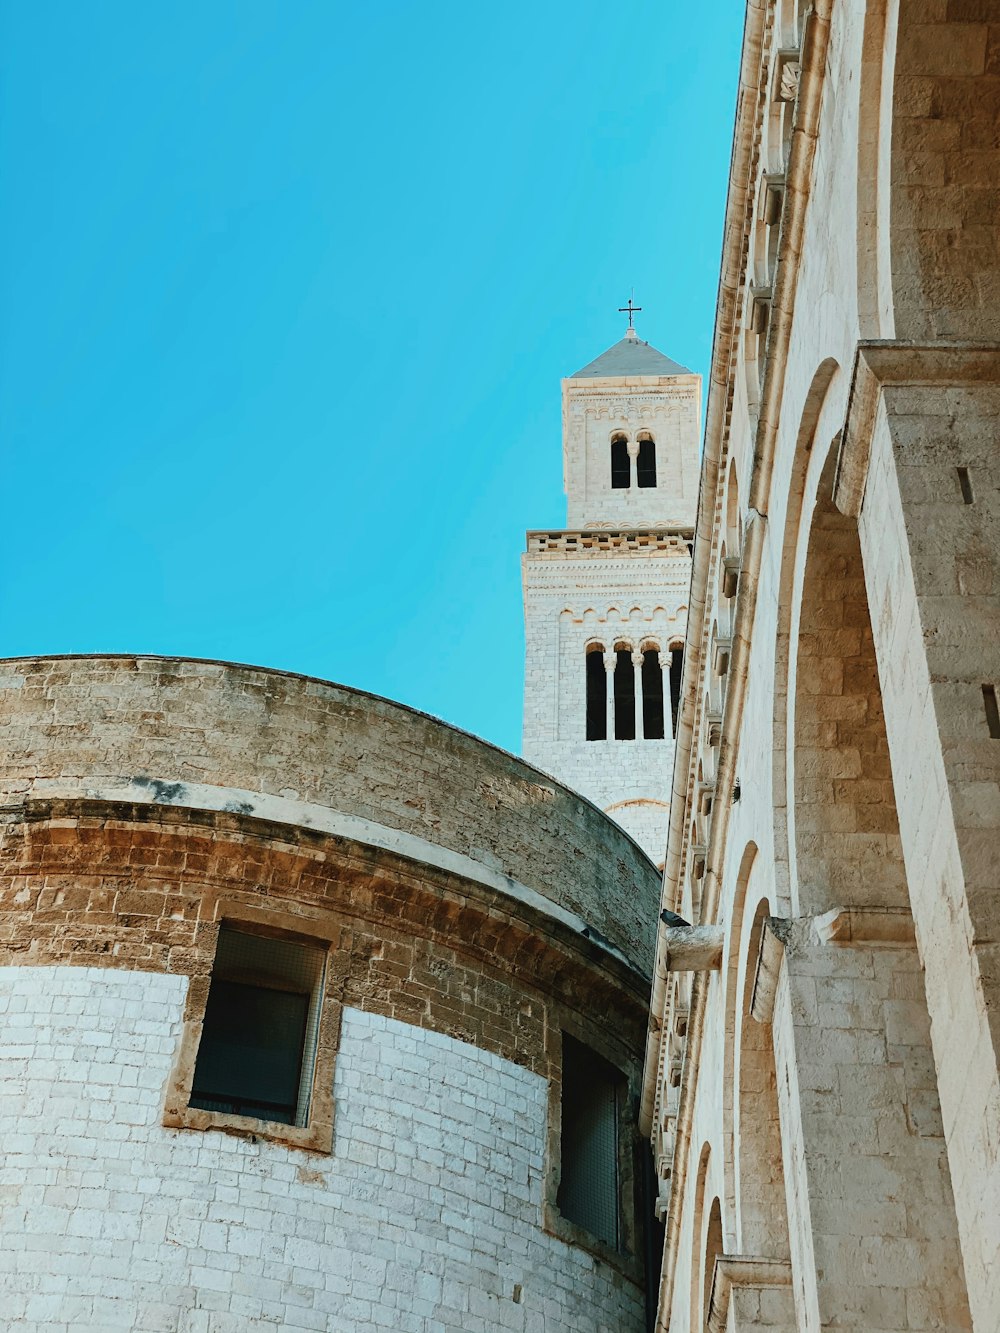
column 311, row 931
column 627, row 1258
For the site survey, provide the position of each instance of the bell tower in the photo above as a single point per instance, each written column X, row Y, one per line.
column 605, row 600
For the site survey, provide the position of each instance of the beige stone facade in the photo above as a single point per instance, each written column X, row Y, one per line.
column 821, row 1085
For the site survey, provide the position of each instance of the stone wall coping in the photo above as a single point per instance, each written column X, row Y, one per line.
column 298, row 749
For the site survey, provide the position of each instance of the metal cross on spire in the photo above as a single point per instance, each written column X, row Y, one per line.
column 629, row 309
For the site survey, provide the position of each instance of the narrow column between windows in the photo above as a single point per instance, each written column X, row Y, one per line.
column 610, row 660
column 633, row 454
column 640, row 720
column 665, row 659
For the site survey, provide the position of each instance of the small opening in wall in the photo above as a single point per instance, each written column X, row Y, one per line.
column 589, row 1184
column 258, row 1040
column 646, row 462
column 676, row 676
column 652, row 696
column 621, row 477
column 992, row 711
column 624, row 684
column 965, row 483
column 597, row 704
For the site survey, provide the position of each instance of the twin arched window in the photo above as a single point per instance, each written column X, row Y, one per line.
column 641, row 450
column 627, row 692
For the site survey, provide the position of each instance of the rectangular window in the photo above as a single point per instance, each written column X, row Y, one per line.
column 589, row 1183
column 258, row 1039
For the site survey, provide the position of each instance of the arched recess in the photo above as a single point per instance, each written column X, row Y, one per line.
column 945, row 163
column 754, row 1177
column 699, row 1239
column 868, row 1096
column 713, row 1250
column 847, row 843
column 819, row 403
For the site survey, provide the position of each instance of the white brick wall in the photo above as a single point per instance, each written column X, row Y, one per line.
column 425, row 1218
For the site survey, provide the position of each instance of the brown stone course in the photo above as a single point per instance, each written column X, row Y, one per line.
column 144, row 888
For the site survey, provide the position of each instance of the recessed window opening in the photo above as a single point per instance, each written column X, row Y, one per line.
column 992, row 711
column 624, row 696
column 589, row 1183
column 646, row 462
column 965, row 483
column 258, row 1041
column 621, row 478
column 676, row 672
column 652, row 696
column 597, row 695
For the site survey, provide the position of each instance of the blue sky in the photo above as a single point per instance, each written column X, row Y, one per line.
column 287, row 293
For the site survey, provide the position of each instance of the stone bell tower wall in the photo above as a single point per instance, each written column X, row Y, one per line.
column 668, row 407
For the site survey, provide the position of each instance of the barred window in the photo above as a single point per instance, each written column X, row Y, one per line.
column 258, row 1041
column 589, row 1181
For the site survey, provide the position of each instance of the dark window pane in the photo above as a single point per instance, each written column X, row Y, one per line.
column 676, row 674
column 250, row 1057
column 620, row 479
column 646, row 463
column 652, row 697
column 588, row 1188
column 597, row 698
column 624, row 696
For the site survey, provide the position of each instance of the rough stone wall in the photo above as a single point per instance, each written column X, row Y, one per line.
column 143, row 890
column 946, row 163
column 428, row 1213
column 935, row 611
column 157, row 726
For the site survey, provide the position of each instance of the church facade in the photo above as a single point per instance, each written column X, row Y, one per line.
column 821, row 1084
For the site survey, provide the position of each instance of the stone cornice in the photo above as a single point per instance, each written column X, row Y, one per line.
column 737, row 1270
column 879, row 365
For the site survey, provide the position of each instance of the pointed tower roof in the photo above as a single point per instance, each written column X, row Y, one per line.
column 631, row 356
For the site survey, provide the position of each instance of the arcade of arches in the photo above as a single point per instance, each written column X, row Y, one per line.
column 822, row 1087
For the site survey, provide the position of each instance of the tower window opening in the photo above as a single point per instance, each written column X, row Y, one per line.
column 646, row 462
column 621, row 478
column 676, row 672
column 624, row 696
column 258, row 1041
column 597, row 695
column 652, row 696
column 992, row 711
column 589, row 1177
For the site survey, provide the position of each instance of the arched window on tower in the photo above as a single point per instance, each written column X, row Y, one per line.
column 652, row 695
column 597, row 694
column 620, row 464
column 646, row 462
column 676, row 672
column 624, row 695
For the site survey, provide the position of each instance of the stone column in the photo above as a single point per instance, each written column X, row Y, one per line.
column 870, row 1207
column 640, row 726
column 668, row 715
column 633, row 454
column 610, row 661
